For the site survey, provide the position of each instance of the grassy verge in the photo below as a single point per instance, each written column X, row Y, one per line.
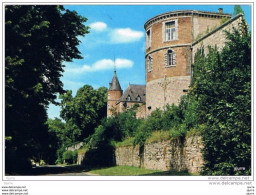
column 127, row 142
column 135, row 171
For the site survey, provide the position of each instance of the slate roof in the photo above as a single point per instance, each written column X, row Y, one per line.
column 115, row 85
column 134, row 91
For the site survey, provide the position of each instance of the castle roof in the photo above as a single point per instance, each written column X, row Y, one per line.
column 134, row 93
column 115, row 85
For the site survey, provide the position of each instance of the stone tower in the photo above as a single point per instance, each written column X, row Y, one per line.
column 114, row 94
column 168, row 57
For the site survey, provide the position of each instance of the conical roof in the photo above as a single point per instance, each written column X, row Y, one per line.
column 115, row 85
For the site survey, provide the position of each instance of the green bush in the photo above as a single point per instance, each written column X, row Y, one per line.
column 171, row 117
column 75, row 155
column 68, row 157
column 222, row 87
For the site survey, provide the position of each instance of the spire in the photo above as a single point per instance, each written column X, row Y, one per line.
column 114, row 65
column 115, row 85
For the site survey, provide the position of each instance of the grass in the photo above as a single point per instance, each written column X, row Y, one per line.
column 135, row 171
column 127, row 142
column 158, row 136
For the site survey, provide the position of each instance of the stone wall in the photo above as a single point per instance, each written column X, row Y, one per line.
column 217, row 37
column 75, row 146
column 176, row 154
column 176, row 87
column 141, row 111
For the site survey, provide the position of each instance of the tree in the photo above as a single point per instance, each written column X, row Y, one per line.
column 222, row 87
column 237, row 10
column 84, row 112
column 38, row 39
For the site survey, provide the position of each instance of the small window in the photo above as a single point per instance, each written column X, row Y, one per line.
column 148, row 39
column 170, row 31
column 150, row 63
column 128, row 98
column 170, row 58
column 138, row 98
column 109, row 96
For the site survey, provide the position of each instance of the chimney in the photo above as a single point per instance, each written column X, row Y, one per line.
column 220, row 10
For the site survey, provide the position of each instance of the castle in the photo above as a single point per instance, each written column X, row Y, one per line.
column 172, row 39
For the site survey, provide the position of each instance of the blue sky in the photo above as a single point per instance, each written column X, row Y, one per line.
column 117, row 32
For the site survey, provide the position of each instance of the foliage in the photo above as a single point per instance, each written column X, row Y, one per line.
column 222, row 87
column 84, row 112
column 126, row 142
column 158, row 136
column 237, row 10
column 68, row 156
column 38, row 40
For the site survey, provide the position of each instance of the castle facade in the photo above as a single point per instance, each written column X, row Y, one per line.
column 172, row 40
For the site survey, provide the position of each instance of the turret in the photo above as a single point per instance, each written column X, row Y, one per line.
column 114, row 94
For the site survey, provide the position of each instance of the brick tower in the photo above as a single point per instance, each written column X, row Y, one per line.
column 168, row 57
column 114, row 94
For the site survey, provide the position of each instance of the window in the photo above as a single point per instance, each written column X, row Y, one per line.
column 128, row 98
column 138, row 98
column 109, row 96
column 150, row 61
column 170, row 58
column 170, row 31
column 148, row 39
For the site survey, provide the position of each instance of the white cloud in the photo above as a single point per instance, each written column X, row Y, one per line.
column 104, row 64
column 125, row 35
column 98, row 26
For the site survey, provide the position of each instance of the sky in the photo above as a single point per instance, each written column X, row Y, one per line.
column 117, row 34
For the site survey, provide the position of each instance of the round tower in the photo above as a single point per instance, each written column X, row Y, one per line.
column 114, row 94
column 168, row 57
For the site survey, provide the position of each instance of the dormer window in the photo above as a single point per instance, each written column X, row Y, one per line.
column 138, row 98
column 128, row 98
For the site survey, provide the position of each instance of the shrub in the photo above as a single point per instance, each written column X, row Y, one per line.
column 68, row 157
column 171, row 117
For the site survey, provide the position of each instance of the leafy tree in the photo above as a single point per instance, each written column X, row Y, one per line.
column 222, row 87
column 38, row 39
column 83, row 112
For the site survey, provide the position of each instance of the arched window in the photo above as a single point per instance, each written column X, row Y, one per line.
column 170, row 58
